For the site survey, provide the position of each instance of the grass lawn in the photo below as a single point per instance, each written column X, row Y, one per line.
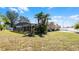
column 53, row 41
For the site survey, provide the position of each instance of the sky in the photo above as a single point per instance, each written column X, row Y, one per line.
column 64, row 16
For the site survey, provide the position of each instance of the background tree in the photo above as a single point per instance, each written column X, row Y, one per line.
column 4, row 21
column 76, row 26
column 12, row 15
column 1, row 21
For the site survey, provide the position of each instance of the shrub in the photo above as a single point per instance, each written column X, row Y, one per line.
column 1, row 27
column 76, row 26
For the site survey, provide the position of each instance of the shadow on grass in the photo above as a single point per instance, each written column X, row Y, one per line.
column 17, row 32
column 77, row 32
column 30, row 35
column 40, row 35
column 26, row 34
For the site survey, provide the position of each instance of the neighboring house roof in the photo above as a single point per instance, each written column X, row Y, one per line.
column 23, row 20
column 23, row 23
column 51, row 25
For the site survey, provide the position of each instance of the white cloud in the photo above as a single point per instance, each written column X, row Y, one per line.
column 66, row 25
column 57, row 17
column 65, row 20
column 13, row 9
column 24, row 8
column 53, row 20
column 2, row 7
column 49, row 8
column 74, row 17
column 19, row 9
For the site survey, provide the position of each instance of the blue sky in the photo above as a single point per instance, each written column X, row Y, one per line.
column 64, row 16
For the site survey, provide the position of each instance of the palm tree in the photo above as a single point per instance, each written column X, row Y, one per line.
column 39, row 17
column 45, row 22
column 42, row 21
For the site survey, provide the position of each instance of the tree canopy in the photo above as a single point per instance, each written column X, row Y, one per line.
column 42, row 22
column 12, row 15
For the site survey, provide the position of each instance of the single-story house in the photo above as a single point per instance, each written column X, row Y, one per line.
column 52, row 26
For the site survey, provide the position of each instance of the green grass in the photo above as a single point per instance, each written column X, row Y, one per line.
column 53, row 41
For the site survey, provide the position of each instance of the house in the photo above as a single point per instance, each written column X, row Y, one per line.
column 53, row 27
column 23, row 25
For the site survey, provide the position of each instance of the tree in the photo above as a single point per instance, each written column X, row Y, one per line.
column 42, row 22
column 76, row 26
column 4, row 21
column 39, row 17
column 45, row 22
column 12, row 15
